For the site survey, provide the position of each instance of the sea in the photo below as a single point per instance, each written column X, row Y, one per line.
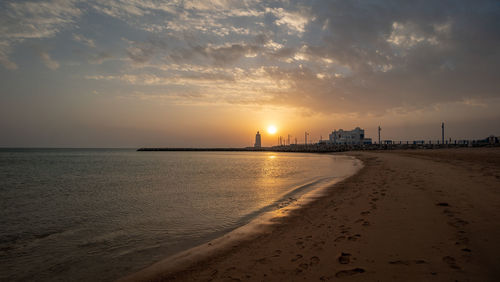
column 100, row 214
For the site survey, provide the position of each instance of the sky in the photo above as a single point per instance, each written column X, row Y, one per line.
column 142, row 73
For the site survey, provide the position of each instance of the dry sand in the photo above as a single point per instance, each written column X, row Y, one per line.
column 430, row 215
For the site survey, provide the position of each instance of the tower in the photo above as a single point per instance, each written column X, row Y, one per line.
column 442, row 132
column 257, row 140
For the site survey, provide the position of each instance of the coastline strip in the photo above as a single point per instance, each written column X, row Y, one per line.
column 405, row 216
column 261, row 225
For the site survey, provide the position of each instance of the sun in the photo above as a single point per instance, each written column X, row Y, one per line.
column 271, row 129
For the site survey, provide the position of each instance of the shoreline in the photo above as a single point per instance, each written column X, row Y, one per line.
column 406, row 215
column 261, row 225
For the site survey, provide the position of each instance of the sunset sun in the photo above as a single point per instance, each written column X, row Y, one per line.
column 271, row 129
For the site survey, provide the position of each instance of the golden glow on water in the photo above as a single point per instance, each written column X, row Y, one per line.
column 271, row 178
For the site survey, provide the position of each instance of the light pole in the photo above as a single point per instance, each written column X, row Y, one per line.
column 379, row 129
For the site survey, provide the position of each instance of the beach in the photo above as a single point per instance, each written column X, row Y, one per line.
column 413, row 215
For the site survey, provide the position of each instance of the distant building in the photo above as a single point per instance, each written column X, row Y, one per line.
column 257, row 140
column 492, row 139
column 352, row 137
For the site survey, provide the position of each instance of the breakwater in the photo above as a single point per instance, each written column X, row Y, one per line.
column 328, row 148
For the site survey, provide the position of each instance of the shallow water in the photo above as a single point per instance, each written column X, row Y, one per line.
column 85, row 214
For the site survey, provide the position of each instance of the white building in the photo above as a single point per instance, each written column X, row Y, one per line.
column 352, row 137
column 257, row 140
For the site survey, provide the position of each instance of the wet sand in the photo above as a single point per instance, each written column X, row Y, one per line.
column 423, row 215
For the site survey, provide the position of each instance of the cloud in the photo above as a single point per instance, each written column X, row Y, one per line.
column 5, row 49
column 218, row 85
column 293, row 20
column 84, row 40
column 142, row 52
column 228, row 53
column 388, row 54
column 48, row 61
column 334, row 56
column 101, row 57
column 327, row 56
column 20, row 21
column 121, row 9
column 153, row 79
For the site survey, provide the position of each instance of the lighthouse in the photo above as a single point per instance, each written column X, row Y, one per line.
column 257, row 140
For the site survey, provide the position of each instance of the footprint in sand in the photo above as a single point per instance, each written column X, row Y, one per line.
column 354, row 237
column 458, row 223
column 340, row 238
column 214, row 272
column 448, row 212
column 344, row 229
column 263, row 260
column 297, row 257
column 344, row 258
column 317, row 246
column 314, row 260
column 451, row 262
column 350, row 272
column 304, row 265
column 408, row 262
column 462, row 240
column 230, row 268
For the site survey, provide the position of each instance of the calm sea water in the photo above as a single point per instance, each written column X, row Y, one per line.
column 90, row 215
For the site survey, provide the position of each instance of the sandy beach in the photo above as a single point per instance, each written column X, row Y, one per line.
column 429, row 215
